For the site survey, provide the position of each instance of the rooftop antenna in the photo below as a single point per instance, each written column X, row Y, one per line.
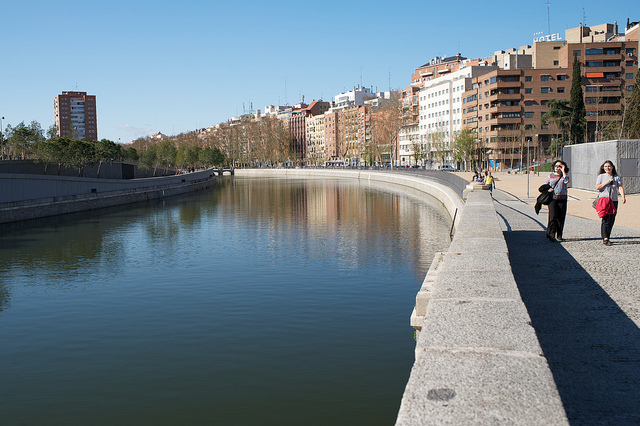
column 285, row 92
column 360, row 76
column 549, row 16
column 389, row 78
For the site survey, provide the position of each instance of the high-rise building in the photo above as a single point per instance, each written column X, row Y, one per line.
column 75, row 116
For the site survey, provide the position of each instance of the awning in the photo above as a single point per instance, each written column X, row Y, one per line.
column 595, row 75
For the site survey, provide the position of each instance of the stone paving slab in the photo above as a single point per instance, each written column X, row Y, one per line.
column 498, row 324
column 475, row 387
column 485, row 284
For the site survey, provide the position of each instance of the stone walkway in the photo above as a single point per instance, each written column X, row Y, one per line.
column 584, row 302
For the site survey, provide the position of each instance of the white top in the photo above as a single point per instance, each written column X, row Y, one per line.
column 606, row 190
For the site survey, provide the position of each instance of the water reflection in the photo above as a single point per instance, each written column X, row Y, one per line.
column 260, row 302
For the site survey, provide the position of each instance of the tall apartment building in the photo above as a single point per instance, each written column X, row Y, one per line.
column 505, row 107
column 316, row 152
column 75, row 115
column 441, row 110
column 298, row 128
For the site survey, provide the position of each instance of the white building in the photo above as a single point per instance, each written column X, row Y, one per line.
column 316, row 152
column 355, row 97
column 441, row 112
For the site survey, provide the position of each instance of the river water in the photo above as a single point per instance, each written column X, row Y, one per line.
column 261, row 302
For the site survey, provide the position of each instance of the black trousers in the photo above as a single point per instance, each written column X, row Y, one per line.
column 557, row 214
column 607, row 223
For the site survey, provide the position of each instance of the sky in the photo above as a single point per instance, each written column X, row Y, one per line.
column 176, row 66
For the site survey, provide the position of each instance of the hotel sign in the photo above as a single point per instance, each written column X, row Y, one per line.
column 540, row 37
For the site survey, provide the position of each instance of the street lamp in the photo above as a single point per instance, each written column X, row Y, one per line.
column 1, row 140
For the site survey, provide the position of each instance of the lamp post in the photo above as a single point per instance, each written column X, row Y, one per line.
column 1, row 140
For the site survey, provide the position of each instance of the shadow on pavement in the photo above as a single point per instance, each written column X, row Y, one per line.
column 592, row 346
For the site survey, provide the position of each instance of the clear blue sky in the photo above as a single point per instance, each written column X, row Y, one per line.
column 174, row 66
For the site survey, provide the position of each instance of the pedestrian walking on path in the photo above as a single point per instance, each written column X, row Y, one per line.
column 489, row 180
column 558, row 180
column 609, row 184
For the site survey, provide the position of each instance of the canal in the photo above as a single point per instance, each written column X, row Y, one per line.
column 261, row 302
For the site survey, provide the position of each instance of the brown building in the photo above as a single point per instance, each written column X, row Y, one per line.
column 75, row 115
column 505, row 107
column 298, row 128
column 333, row 151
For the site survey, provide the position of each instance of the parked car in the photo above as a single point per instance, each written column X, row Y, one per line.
column 447, row 168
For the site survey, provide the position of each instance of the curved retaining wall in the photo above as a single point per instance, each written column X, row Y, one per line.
column 478, row 360
column 26, row 196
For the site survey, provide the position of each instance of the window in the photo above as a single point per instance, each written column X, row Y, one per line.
column 529, row 90
column 544, row 78
column 593, row 51
column 556, row 63
column 577, row 53
column 629, row 51
column 528, row 115
column 630, row 88
column 544, row 102
column 528, row 103
column 545, row 89
column 628, row 76
column 591, row 89
column 629, row 63
column 527, row 78
column 561, row 77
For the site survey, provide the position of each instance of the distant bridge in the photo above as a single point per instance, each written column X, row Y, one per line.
column 222, row 171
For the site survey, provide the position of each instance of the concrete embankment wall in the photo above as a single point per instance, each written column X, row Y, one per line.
column 478, row 360
column 27, row 196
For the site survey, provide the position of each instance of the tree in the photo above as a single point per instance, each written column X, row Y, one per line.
column 166, row 154
column 53, row 151
column 576, row 105
column 438, row 145
column 465, row 147
column 386, row 123
column 80, row 154
column 211, row 156
column 106, row 151
column 149, row 159
column 559, row 114
column 631, row 121
column 22, row 139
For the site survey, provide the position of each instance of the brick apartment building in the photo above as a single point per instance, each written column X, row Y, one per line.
column 297, row 125
column 505, row 106
column 75, row 115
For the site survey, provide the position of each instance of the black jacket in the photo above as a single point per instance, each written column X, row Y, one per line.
column 545, row 197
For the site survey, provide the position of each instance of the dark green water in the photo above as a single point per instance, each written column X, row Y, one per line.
column 262, row 302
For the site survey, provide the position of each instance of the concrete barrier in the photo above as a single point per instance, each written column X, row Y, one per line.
column 24, row 197
column 478, row 360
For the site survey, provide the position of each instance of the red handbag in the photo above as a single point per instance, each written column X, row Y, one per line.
column 605, row 207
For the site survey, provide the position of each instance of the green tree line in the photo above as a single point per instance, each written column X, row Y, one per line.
column 29, row 142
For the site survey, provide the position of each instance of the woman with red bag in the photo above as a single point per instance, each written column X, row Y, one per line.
column 557, row 181
column 609, row 184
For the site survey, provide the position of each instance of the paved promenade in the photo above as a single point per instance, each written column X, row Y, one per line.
column 583, row 299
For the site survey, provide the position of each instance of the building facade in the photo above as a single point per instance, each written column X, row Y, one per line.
column 504, row 108
column 75, row 116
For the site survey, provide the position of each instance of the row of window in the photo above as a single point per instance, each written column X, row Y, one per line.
column 604, row 51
